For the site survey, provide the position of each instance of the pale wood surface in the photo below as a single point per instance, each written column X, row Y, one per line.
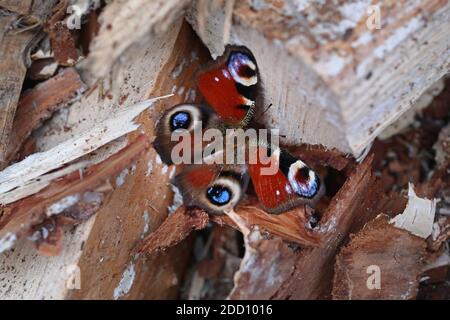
column 331, row 79
column 103, row 247
column 15, row 41
column 126, row 23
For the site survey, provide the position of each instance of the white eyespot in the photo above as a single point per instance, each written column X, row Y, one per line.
column 295, row 167
column 307, row 189
column 244, row 80
column 312, row 175
column 237, row 61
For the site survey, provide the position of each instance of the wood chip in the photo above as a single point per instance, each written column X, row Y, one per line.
column 291, row 226
column 42, row 69
column 61, row 38
column 274, row 269
column 63, row 194
column 174, row 229
column 35, row 165
column 380, row 262
column 418, row 216
column 39, row 103
column 13, row 48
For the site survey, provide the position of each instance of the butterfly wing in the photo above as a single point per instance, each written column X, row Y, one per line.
column 230, row 85
column 180, row 122
column 214, row 188
column 282, row 181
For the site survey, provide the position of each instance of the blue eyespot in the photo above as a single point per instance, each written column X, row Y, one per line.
column 180, row 120
column 218, row 195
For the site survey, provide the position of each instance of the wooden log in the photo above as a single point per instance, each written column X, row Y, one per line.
column 37, row 11
column 333, row 76
column 380, row 262
column 38, row 104
column 19, row 31
column 99, row 253
column 63, row 193
column 140, row 17
column 272, row 269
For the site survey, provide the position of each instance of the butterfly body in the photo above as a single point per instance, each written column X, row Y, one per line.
column 231, row 88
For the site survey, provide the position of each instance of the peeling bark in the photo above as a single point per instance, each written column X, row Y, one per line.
column 174, row 229
column 380, row 250
column 306, row 273
column 62, row 39
column 39, row 103
column 15, row 44
column 19, row 217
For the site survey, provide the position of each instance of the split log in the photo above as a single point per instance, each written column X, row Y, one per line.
column 273, row 269
column 38, row 104
column 141, row 18
column 19, row 32
column 174, row 229
column 346, row 83
column 101, row 249
column 380, row 262
column 338, row 78
column 64, row 194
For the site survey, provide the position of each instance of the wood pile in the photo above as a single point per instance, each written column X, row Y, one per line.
column 88, row 210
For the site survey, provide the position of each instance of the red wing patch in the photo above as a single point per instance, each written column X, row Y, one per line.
column 290, row 183
column 272, row 190
column 230, row 86
column 201, row 176
column 219, row 90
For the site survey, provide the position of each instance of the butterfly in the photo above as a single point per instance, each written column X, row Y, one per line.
column 231, row 87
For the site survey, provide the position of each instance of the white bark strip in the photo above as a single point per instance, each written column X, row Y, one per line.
column 418, row 216
column 35, row 165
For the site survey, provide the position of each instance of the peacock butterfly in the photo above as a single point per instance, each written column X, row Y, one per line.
column 231, row 87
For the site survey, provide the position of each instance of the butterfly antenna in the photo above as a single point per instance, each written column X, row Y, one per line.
column 281, row 135
column 265, row 110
